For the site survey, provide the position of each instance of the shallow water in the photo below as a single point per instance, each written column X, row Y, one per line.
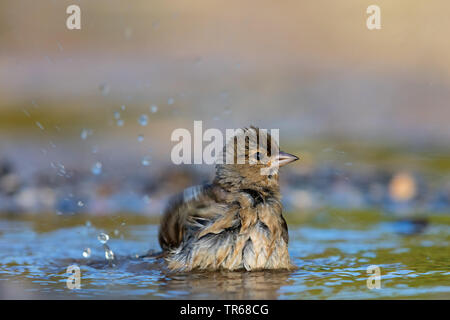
column 331, row 249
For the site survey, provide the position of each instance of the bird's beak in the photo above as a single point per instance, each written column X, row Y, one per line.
column 285, row 158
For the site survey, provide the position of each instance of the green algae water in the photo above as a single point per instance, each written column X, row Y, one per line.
column 332, row 249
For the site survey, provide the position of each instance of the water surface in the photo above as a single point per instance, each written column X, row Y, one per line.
column 331, row 249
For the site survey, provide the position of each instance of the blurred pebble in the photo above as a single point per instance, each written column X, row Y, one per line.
column 402, row 187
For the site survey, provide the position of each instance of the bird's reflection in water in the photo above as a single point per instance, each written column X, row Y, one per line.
column 228, row 285
column 195, row 284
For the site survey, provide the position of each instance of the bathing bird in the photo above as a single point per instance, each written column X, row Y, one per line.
column 236, row 221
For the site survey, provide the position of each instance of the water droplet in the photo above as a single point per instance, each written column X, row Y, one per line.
column 94, row 149
column 143, row 120
column 109, row 254
column 39, row 125
column 146, row 161
column 116, row 232
column 117, row 115
column 87, row 252
column 103, row 238
column 171, row 101
column 120, row 123
column 104, row 88
column 123, row 107
column 85, row 133
column 88, row 224
column 140, row 138
column 80, row 203
column 147, row 199
column 97, row 168
column 153, row 108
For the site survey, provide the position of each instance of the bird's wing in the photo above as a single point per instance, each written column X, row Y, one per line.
column 192, row 210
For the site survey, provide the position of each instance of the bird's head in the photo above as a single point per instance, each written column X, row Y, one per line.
column 251, row 160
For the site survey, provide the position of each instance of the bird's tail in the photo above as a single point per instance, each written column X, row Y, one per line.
column 172, row 225
column 178, row 215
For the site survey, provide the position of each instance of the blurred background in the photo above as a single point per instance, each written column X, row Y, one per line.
column 86, row 117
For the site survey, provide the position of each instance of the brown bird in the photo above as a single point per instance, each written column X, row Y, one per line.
column 235, row 222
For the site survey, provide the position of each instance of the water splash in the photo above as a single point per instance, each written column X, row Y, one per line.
column 60, row 169
column 143, row 120
column 85, row 133
column 40, row 125
column 104, row 89
column 87, row 252
column 147, row 199
column 97, row 168
column 146, row 161
column 154, row 108
column 170, row 101
column 103, row 238
column 109, row 254
column 140, row 138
